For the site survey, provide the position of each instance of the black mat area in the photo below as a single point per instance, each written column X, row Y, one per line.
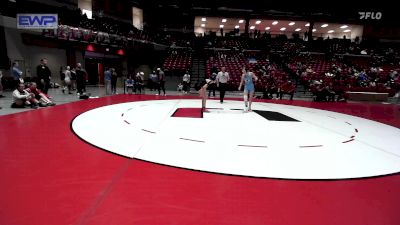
column 274, row 116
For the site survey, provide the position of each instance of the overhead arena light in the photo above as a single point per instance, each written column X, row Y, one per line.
column 330, row 31
column 344, row 27
column 203, row 25
column 241, row 21
column 324, row 25
column 267, row 28
column 298, row 29
column 252, row 27
column 88, row 13
column 313, row 30
column 237, row 27
column 224, row 20
column 346, row 31
column 283, row 29
column 234, row 9
column 201, row 8
column 275, row 23
column 307, row 24
column 258, row 21
column 221, row 26
column 204, row 19
column 291, row 23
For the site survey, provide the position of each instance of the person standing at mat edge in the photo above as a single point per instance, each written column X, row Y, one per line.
column 114, row 79
column 44, row 75
column 17, row 74
column 222, row 82
column 107, row 80
column 161, row 80
column 1, row 86
column 81, row 79
column 203, row 94
column 247, row 79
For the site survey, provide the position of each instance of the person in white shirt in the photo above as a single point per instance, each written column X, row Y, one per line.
column 186, row 82
column 139, row 82
column 67, row 79
column 22, row 98
column 161, row 80
column 222, row 82
column 153, row 81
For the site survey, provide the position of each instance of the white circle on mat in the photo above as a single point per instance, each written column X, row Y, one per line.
column 321, row 145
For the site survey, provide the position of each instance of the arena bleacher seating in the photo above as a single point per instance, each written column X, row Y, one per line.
column 178, row 60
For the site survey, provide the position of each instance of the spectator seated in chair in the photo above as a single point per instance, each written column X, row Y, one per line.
column 330, row 92
column 320, row 93
column 22, row 98
column 287, row 88
column 130, row 84
column 270, row 89
column 180, row 87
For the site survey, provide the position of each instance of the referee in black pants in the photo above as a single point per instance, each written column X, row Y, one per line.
column 43, row 74
column 222, row 82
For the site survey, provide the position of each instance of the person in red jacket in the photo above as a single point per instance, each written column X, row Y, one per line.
column 44, row 100
column 287, row 88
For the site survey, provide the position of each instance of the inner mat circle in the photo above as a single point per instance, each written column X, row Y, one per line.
column 272, row 141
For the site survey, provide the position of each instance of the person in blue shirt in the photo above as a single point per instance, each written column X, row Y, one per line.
column 248, row 79
column 17, row 74
column 107, row 81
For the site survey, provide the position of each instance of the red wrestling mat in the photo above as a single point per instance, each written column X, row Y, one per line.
column 188, row 112
column 49, row 176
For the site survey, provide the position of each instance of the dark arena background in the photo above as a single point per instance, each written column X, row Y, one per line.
column 199, row 112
